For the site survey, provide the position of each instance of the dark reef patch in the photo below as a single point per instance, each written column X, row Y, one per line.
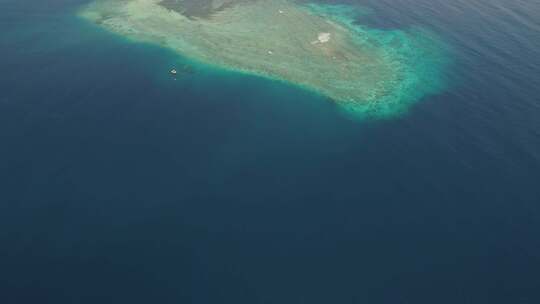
column 198, row 8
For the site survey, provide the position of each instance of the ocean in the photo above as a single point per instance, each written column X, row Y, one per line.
column 122, row 184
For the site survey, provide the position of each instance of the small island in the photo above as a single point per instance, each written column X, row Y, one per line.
column 317, row 47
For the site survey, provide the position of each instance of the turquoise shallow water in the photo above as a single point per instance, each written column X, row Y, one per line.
column 420, row 57
column 120, row 184
column 413, row 59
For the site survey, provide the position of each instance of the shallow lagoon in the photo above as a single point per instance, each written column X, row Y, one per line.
column 318, row 47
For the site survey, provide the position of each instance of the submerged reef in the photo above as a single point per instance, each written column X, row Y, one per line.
column 318, row 47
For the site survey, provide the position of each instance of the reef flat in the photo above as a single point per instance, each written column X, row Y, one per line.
column 318, row 47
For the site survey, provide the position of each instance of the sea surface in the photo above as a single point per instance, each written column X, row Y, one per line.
column 122, row 184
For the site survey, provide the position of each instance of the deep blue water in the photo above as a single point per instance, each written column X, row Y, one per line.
column 119, row 184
